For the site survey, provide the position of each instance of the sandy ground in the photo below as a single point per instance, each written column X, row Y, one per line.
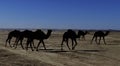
column 85, row 54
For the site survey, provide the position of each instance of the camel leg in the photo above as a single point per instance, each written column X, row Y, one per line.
column 99, row 40
column 32, row 43
column 16, row 43
column 92, row 40
column 96, row 38
column 67, row 44
column 43, row 44
column 83, row 37
column 21, row 40
column 8, row 40
column 21, row 43
column 9, row 43
column 62, row 44
column 74, row 45
column 27, row 45
column 28, row 41
column 38, row 45
column 79, row 38
column 104, row 40
column 31, row 46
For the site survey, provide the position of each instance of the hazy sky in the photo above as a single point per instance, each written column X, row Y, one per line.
column 76, row 14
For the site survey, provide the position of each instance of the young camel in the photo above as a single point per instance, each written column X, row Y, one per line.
column 100, row 34
column 15, row 33
column 70, row 34
column 39, row 35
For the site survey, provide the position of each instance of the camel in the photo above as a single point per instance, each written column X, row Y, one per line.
column 15, row 33
column 70, row 34
column 82, row 33
column 24, row 34
column 39, row 35
column 100, row 34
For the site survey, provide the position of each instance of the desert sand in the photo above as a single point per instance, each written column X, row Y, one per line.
column 85, row 54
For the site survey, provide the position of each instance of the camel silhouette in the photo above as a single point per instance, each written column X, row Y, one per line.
column 82, row 33
column 39, row 35
column 99, row 34
column 24, row 34
column 14, row 33
column 70, row 34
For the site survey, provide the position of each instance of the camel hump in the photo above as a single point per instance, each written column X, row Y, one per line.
column 107, row 31
column 14, row 32
column 49, row 30
column 99, row 32
column 38, row 30
column 27, row 31
column 80, row 31
column 69, row 30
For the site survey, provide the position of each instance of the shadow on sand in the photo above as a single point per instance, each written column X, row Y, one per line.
column 112, row 44
column 90, row 50
column 53, row 50
column 63, row 51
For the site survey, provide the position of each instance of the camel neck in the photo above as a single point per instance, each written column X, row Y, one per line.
column 78, row 35
column 85, row 32
column 48, row 34
column 106, row 33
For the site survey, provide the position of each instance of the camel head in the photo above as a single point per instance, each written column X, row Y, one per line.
column 107, row 32
column 48, row 34
column 86, row 32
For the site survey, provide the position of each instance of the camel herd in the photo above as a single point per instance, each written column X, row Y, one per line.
column 40, row 35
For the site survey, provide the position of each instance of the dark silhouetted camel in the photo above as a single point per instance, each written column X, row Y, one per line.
column 15, row 33
column 70, row 34
column 82, row 34
column 24, row 34
column 39, row 35
column 99, row 34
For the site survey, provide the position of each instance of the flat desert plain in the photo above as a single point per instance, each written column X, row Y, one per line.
column 85, row 54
